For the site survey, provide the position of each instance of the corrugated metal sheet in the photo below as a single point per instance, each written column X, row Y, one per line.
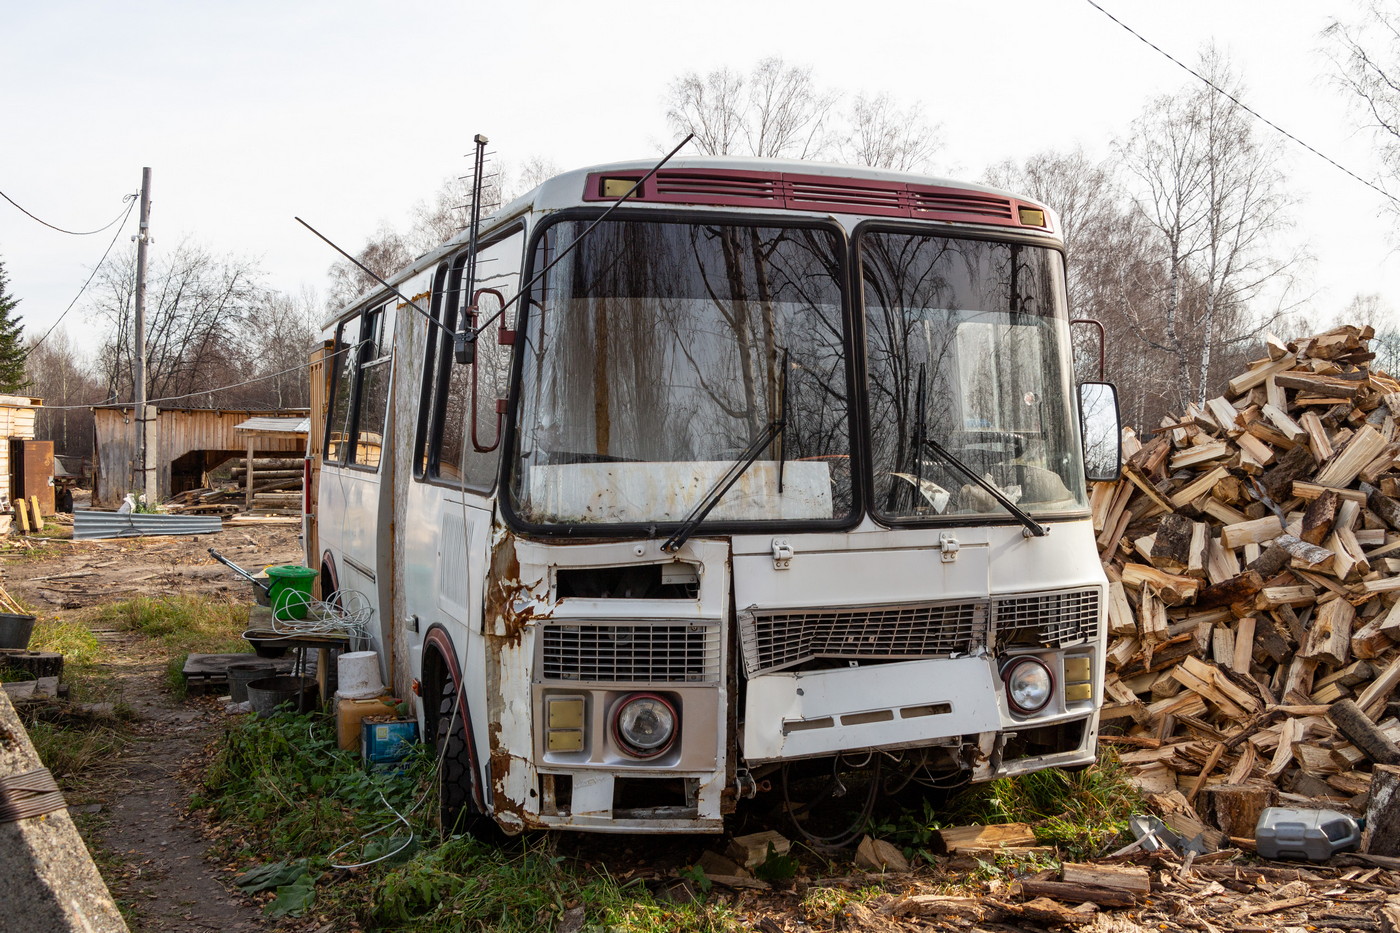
column 275, row 426
column 88, row 524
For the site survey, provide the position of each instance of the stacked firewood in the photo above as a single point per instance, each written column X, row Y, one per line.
column 1253, row 552
column 277, row 488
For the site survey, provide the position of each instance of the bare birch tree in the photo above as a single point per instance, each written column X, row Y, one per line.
column 778, row 110
column 881, row 134
column 1367, row 58
column 1210, row 189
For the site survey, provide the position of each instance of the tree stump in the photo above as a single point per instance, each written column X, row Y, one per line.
column 1382, row 836
column 36, row 663
column 1236, row 807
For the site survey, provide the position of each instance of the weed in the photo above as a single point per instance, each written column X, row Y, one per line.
column 74, row 745
column 283, row 786
column 465, row 884
column 820, row 904
column 182, row 623
column 175, row 676
column 73, row 640
column 1082, row 812
column 298, row 791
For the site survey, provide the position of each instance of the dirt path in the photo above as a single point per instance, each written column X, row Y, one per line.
column 162, row 870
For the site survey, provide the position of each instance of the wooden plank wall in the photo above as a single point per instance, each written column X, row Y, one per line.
column 178, row 431
column 16, row 420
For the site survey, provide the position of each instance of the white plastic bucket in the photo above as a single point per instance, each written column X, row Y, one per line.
column 357, row 674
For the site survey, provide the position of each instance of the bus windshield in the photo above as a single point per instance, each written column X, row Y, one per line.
column 967, row 360
column 656, row 352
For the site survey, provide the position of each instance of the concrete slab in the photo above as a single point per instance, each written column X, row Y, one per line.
column 46, row 871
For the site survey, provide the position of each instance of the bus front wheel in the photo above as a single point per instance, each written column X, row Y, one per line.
column 456, row 804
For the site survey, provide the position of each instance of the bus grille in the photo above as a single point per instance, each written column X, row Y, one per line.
column 641, row 653
column 1050, row 619
column 775, row 639
column 778, row 639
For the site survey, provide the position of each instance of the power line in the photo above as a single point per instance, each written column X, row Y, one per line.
column 121, row 216
column 1243, row 106
column 131, row 202
column 247, row 382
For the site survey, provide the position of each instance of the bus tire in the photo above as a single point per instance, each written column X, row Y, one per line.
column 457, row 810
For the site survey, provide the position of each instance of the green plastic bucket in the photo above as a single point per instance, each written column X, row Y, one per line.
column 290, row 591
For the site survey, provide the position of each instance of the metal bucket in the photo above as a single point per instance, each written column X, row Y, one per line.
column 15, row 630
column 271, row 693
column 241, row 673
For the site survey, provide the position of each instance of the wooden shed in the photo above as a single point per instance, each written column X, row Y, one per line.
column 16, row 422
column 188, row 444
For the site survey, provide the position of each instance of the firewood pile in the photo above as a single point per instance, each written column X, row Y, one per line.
column 1253, row 553
column 277, row 488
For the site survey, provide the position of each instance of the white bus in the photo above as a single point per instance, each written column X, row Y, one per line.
column 778, row 466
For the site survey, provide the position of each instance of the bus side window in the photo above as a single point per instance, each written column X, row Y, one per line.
column 344, row 367
column 375, row 357
column 430, row 355
column 471, row 439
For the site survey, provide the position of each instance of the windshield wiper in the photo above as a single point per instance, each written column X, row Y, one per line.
column 1032, row 526
column 771, row 431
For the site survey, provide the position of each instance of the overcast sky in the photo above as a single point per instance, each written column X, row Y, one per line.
column 347, row 113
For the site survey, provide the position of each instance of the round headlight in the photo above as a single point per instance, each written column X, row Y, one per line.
column 1029, row 685
column 645, row 725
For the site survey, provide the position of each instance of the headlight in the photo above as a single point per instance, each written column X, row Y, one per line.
column 645, row 725
column 1029, row 685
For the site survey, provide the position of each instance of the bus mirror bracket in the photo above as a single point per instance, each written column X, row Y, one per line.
column 464, row 347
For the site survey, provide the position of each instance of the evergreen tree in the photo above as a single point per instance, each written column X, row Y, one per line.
column 11, row 347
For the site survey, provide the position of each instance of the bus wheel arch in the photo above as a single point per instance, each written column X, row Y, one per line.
column 448, row 727
column 329, row 579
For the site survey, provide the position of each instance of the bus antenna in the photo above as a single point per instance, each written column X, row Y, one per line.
column 466, row 337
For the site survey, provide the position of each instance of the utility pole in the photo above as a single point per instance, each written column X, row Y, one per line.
column 138, row 369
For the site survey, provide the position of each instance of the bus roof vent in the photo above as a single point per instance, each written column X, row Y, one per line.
column 957, row 204
column 846, row 195
column 718, row 187
column 825, row 193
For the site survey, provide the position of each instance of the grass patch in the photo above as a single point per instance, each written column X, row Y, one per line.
column 281, row 785
column 76, row 743
column 183, row 624
column 73, row 640
column 1084, row 813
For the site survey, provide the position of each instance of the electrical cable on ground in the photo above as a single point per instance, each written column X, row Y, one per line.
column 26, row 213
column 1245, row 107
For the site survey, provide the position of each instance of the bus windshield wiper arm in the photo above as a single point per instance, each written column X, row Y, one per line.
column 1032, row 526
column 716, row 493
column 773, row 430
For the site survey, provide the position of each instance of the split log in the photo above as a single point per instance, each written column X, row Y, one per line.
column 1172, row 549
column 1356, row 726
column 1251, row 532
column 1329, row 640
column 1385, row 506
column 1077, row 893
column 1363, row 447
column 1239, row 588
column 1174, row 589
column 995, row 836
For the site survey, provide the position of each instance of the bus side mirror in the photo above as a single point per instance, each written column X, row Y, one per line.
column 1099, row 425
